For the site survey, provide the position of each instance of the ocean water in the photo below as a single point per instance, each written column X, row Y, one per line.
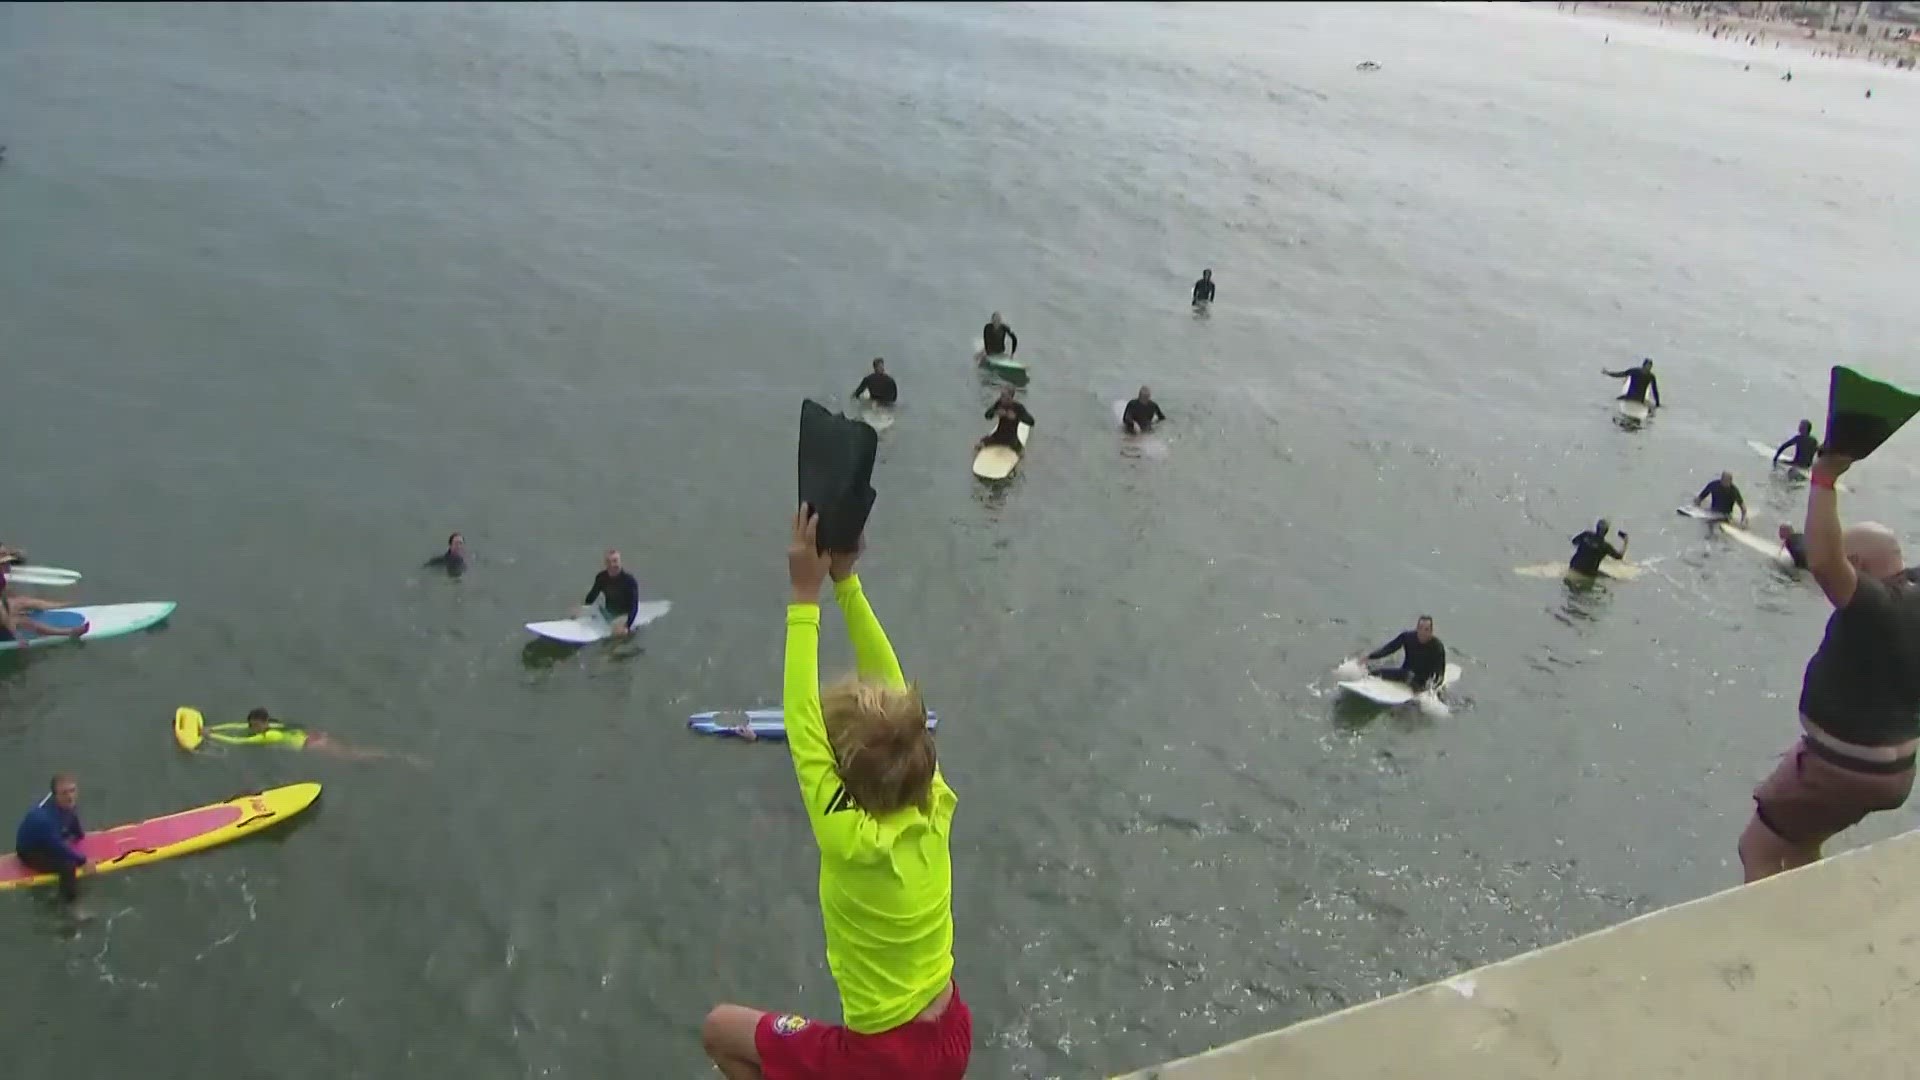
column 290, row 292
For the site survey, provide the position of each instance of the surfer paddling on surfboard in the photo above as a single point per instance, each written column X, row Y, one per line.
column 1424, row 664
column 1590, row 547
column 1141, row 413
column 1640, row 382
column 1804, row 445
column 882, row 816
column 45, row 839
column 617, row 591
column 1859, row 699
column 1010, row 414
column 878, row 386
column 1722, row 497
column 997, row 339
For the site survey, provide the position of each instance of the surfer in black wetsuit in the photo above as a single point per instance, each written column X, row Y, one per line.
column 454, row 559
column 1804, row 446
column 1141, row 413
column 618, row 593
column 879, row 386
column 1795, row 542
column 1591, row 546
column 998, row 339
column 1203, row 289
column 1425, row 663
column 1010, row 414
column 1640, row 382
column 1722, row 497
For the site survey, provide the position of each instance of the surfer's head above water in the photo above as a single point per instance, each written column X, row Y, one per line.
column 456, row 545
column 1646, row 364
column 994, row 318
column 881, row 746
column 612, row 561
column 1206, row 275
column 1423, row 628
column 1726, row 478
column 1146, row 394
column 1806, row 427
column 258, row 720
column 879, row 366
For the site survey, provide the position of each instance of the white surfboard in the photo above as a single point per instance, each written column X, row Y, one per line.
column 998, row 462
column 49, row 576
column 1633, row 410
column 595, row 625
column 1699, row 513
column 1387, row 692
column 1609, row 568
column 1767, row 452
column 876, row 416
column 101, row 620
column 1768, row 547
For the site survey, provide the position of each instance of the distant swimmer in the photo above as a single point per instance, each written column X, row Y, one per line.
column 1366, row 65
column 44, row 842
column 1795, row 544
column 1592, row 546
column 1722, row 497
column 1010, row 414
column 879, row 386
column 618, row 592
column 998, row 339
column 1640, row 382
column 1141, row 413
column 1804, row 446
column 261, row 729
column 1203, row 289
column 454, row 559
column 1424, row 663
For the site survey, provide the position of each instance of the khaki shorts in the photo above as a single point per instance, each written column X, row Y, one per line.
column 1809, row 797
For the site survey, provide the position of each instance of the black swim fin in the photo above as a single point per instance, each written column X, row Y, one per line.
column 1862, row 413
column 836, row 471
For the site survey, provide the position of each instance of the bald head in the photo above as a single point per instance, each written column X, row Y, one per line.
column 1873, row 549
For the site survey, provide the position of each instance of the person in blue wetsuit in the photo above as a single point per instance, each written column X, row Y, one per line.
column 1722, row 497
column 45, row 839
column 1424, row 664
column 618, row 592
column 1640, row 382
column 1804, row 446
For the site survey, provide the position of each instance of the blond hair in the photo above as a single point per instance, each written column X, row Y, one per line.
column 882, row 749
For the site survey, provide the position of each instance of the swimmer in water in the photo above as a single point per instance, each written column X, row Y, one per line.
column 879, row 386
column 1203, row 289
column 454, row 559
column 1010, row 414
column 1424, row 664
column 1804, row 445
column 998, row 339
column 619, row 592
column 1590, row 547
column 1722, row 497
column 1640, row 382
column 261, row 729
column 1141, row 413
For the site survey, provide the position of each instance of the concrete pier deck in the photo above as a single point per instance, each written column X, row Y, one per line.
column 1807, row 975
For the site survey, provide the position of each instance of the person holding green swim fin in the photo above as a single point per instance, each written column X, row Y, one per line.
column 261, row 729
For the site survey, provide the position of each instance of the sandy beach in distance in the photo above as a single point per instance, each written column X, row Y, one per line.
column 1778, row 38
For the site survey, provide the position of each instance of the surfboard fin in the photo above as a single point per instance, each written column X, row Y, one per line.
column 836, row 469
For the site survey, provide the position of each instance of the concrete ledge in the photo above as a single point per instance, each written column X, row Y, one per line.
column 1807, row 975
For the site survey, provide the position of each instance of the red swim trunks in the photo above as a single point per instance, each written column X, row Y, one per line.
column 793, row 1047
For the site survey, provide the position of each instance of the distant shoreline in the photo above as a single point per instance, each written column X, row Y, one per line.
column 1770, row 35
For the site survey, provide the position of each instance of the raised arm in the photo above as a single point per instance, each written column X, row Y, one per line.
column 1826, row 545
column 872, row 652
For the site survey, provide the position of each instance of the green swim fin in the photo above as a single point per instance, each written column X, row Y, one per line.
column 1862, row 413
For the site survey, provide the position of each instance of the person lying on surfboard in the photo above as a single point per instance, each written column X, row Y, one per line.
column 1010, row 414
column 1722, row 497
column 1590, row 547
column 1424, row 663
column 994, row 339
column 263, row 730
column 1804, row 445
column 44, row 842
column 1640, row 382
column 14, row 617
column 882, row 817
column 1141, row 413
column 1796, row 545
column 454, row 559
column 619, row 592
column 878, row 386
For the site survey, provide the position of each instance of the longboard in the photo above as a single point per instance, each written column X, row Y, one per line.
column 596, row 625
column 102, row 621
column 1387, row 692
column 1609, row 568
column 996, row 462
column 1771, row 548
column 770, row 724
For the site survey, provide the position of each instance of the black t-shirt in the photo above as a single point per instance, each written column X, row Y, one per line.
column 995, row 338
column 620, row 593
column 1721, row 498
column 1863, row 685
column 1588, row 549
column 1426, row 661
column 1203, row 291
column 879, row 387
column 1142, row 414
column 1011, row 418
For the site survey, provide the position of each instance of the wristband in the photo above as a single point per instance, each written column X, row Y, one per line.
column 1821, row 480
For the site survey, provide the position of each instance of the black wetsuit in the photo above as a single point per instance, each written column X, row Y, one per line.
column 1011, row 416
column 1804, row 447
column 1721, row 498
column 1424, row 664
column 1796, row 545
column 1203, row 291
column 621, row 592
column 1640, row 383
column 1588, row 549
column 1141, row 415
column 878, row 388
column 449, row 560
column 995, row 338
